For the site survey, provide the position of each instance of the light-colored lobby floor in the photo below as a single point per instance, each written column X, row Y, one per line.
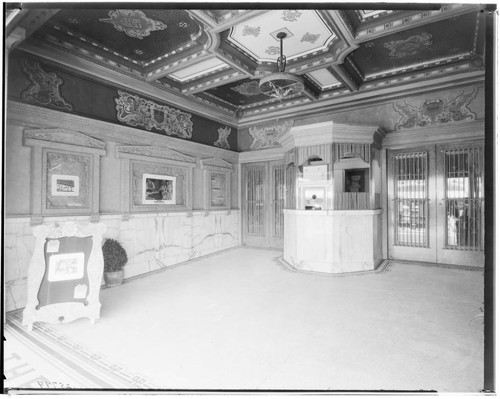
column 240, row 320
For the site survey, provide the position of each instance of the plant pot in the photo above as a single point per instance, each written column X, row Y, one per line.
column 112, row 279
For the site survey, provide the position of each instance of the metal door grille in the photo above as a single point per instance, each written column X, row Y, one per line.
column 255, row 177
column 278, row 200
column 464, row 197
column 411, row 199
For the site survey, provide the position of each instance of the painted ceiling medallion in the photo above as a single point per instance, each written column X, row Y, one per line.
column 133, row 22
column 411, row 46
column 310, row 37
column 272, row 50
column 248, row 88
column 291, row 15
column 250, row 31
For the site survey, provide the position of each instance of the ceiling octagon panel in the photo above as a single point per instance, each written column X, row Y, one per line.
column 306, row 33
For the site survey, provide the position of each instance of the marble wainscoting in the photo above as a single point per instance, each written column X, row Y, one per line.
column 152, row 241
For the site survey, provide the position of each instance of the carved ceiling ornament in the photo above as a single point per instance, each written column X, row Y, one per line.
column 248, row 88
column 411, row 46
column 269, row 135
column 310, row 37
column 134, row 23
column 431, row 112
column 222, row 140
column 291, row 15
column 136, row 111
column 45, row 86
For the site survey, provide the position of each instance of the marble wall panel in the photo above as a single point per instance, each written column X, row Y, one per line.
column 152, row 242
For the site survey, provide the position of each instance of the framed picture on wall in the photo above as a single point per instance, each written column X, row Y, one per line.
column 355, row 180
column 158, row 189
column 68, row 180
column 65, row 185
column 218, row 191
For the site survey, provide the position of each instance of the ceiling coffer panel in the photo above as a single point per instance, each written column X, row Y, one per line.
column 143, row 37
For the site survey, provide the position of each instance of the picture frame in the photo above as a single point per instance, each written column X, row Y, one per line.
column 65, row 185
column 158, row 189
column 355, row 180
column 218, row 189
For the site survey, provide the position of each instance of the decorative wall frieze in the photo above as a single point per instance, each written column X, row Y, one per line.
column 137, row 111
column 268, row 136
column 222, row 140
column 64, row 136
column 28, row 115
column 215, row 163
column 435, row 111
column 130, row 151
column 45, row 86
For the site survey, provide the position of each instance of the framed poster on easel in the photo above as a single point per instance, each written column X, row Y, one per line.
column 64, row 276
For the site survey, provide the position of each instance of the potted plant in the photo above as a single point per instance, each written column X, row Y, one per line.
column 115, row 259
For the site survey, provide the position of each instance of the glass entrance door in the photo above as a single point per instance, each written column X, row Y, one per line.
column 264, row 198
column 436, row 204
column 461, row 205
column 412, row 208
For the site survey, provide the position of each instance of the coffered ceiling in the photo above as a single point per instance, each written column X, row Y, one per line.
column 210, row 60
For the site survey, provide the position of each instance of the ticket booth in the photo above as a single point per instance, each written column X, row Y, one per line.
column 335, row 225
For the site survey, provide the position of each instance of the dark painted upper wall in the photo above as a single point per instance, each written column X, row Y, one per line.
column 54, row 87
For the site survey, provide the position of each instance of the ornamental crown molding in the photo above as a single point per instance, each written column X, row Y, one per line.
column 129, row 151
column 330, row 132
column 215, row 162
column 63, row 136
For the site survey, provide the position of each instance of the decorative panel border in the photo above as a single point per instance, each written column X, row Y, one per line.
column 217, row 183
column 65, row 170
column 169, row 172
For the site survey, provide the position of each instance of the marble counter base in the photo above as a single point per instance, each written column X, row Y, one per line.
column 333, row 241
column 152, row 242
column 332, row 268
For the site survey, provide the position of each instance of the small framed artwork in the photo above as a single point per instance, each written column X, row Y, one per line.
column 355, row 180
column 64, row 267
column 314, row 198
column 218, row 191
column 65, row 185
column 158, row 189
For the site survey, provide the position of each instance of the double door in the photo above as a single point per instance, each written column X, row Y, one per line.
column 436, row 204
column 263, row 186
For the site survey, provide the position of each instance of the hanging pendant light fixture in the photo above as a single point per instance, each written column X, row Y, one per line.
column 281, row 85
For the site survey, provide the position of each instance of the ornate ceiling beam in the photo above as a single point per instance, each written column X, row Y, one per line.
column 24, row 23
column 376, row 29
column 231, row 18
column 343, row 76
